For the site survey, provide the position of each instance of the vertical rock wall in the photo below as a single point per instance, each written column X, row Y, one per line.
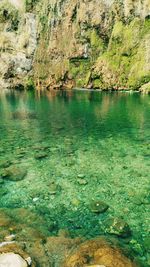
column 75, row 43
column 95, row 44
column 18, row 41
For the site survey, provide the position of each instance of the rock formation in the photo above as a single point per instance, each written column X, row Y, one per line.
column 75, row 43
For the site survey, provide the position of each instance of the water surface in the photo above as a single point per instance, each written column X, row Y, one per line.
column 97, row 147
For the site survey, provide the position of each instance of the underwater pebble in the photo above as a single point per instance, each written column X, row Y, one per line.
column 98, row 206
column 40, row 155
column 10, row 238
column 35, row 199
column 54, row 188
column 119, row 227
column 80, row 175
column 82, row 181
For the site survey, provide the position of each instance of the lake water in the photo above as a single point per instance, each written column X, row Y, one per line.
column 78, row 147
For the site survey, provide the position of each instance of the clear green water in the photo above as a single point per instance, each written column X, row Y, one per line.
column 102, row 139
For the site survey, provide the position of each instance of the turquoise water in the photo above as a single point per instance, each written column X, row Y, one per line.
column 92, row 146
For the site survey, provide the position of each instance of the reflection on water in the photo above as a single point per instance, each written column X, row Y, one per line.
column 77, row 147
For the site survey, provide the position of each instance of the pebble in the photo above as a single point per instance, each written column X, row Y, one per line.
column 82, row 181
column 35, row 199
column 81, row 175
column 119, row 227
column 40, row 155
column 9, row 238
column 54, row 188
column 98, row 206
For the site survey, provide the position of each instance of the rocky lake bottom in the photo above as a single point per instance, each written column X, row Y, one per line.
column 75, row 165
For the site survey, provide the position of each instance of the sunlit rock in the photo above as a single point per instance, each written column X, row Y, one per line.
column 97, row 253
column 12, row 260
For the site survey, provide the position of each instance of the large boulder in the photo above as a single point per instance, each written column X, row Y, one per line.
column 98, row 252
column 12, row 260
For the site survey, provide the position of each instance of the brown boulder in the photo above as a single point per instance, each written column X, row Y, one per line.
column 98, row 252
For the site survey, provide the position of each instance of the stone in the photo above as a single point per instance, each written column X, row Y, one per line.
column 145, row 89
column 98, row 206
column 97, row 253
column 12, row 260
column 35, row 199
column 14, row 173
column 40, row 155
column 81, row 175
column 119, row 227
column 82, row 181
column 5, row 163
column 54, row 188
column 9, row 238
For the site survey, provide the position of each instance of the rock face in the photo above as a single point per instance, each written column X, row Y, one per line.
column 94, row 44
column 81, row 43
column 18, row 40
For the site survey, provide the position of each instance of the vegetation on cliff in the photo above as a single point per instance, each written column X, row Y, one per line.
column 90, row 44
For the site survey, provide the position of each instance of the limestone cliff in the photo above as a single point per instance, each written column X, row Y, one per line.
column 82, row 43
column 18, row 41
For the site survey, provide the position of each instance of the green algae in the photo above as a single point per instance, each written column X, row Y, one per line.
column 98, row 138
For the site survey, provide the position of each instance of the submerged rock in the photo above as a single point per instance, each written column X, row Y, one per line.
column 22, row 115
column 97, row 253
column 119, row 227
column 98, row 206
column 82, row 181
column 40, row 155
column 54, row 188
column 61, row 251
column 5, row 163
column 81, row 175
column 14, row 173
